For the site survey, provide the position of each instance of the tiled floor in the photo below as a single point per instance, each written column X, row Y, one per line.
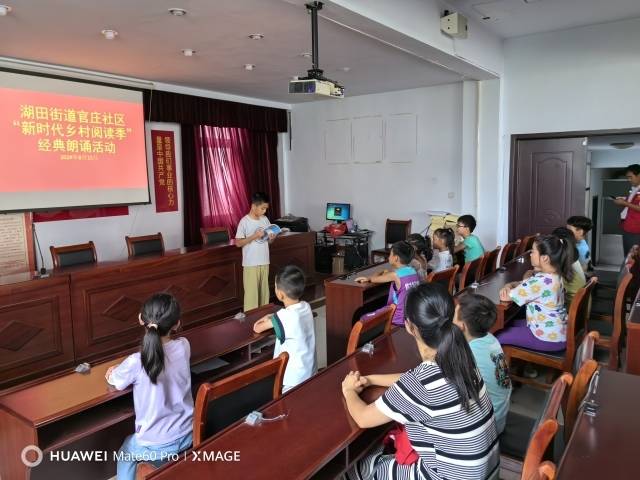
column 321, row 336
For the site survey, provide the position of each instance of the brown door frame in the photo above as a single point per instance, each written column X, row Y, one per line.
column 513, row 162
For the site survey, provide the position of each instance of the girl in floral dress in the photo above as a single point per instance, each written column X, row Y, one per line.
column 545, row 326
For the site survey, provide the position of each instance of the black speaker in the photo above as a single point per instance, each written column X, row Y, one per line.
column 354, row 257
column 324, row 258
column 294, row 224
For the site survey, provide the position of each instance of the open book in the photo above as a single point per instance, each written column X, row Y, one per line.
column 273, row 229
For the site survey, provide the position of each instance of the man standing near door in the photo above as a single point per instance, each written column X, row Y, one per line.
column 630, row 215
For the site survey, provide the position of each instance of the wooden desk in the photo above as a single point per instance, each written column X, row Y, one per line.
column 35, row 326
column 606, row 446
column 633, row 338
column 89, row 312
column 490, row 286
column 318, row 436
column 346, row 301
column 75, row 412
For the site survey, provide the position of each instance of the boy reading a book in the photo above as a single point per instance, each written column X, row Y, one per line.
column 255, row 252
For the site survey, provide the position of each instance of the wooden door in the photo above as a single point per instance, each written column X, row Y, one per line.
column 548, row 184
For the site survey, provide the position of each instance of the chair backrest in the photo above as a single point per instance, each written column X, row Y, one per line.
column 212, row 235
column 577, row 320
column 221, row 403
column 445, row 277
column 546, row 425
column 578, row 390
column 73, row 255
column 542, row 437
column 396, row 230
column 546, row 471
column 509, row 252
column 585, row 351
column 526, row 244
column 488, row 264
column 144, row 245
column 625, row 289
column 633, row 264
column 370, row 327
column 470, row 272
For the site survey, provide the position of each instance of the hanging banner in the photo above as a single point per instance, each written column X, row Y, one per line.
column 164, row 170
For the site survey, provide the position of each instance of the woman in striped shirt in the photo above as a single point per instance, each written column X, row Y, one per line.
column 442, row 403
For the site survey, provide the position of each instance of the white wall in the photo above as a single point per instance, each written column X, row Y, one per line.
column 489, row 174
column 469, row 140
column 578, row 79
column 614, row 158
column 108, row 232
column 420, row 19
column 379, row 190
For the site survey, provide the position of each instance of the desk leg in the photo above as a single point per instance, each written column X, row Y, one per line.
column 341, row 305
column 15, row 435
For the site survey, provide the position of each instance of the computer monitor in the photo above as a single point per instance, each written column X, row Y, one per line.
column 338, row 212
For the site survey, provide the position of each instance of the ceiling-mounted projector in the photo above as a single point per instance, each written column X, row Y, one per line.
column 314, row 86
column 315, row 83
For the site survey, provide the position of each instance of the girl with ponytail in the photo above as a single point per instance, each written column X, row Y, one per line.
column 161, row 377
column 422, row 254
column 444, row 244
column 545, row 327
column 442, row 403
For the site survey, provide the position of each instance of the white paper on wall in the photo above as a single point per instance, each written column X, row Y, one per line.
column 337, row 141
column 367, row 139
column 401, row 138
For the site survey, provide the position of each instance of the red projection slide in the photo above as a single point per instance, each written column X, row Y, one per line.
column 60, row 142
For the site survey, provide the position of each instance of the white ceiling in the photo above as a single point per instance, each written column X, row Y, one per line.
column 150, row 41
column 513, row 18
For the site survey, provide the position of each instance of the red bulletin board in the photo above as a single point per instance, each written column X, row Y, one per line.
column 164, row 170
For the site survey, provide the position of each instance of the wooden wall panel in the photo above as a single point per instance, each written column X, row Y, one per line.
column 35, row 328
column 106, row 302
column 89, row 313
column 300, row 252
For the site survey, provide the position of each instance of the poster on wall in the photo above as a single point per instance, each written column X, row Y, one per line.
column 164, row 171
column 16, row 243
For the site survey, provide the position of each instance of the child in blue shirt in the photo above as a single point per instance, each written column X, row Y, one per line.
column 472, row 247
column 402, row 278
column 475, row 315
column 580, row 226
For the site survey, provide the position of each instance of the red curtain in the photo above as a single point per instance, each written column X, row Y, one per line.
column 190, row 186
column 233, row 163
